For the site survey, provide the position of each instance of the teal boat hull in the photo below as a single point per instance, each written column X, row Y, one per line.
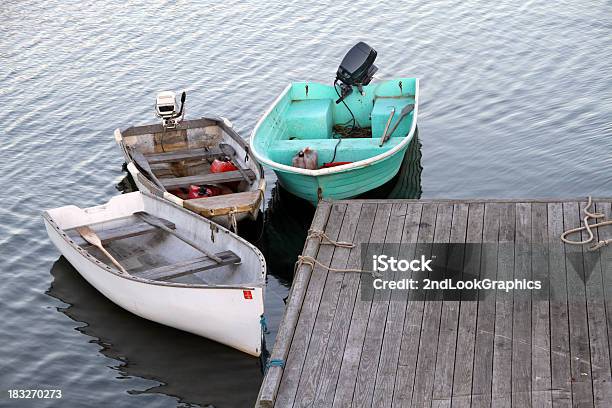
column 305, row 115
column 338, row 186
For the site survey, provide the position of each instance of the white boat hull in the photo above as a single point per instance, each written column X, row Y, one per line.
column 221, row 313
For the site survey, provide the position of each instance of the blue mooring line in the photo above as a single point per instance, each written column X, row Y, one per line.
column 264, row 325
column 275, row 363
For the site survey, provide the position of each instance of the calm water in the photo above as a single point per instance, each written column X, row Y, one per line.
column 516, row 102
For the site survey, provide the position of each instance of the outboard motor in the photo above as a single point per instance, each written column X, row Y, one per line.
column 356, row 69
column 167, row 108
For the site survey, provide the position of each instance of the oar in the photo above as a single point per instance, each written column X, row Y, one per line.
column 407, row 109
column 230, row 152
column 142, row 162
column 384, row 135
column 90, row 236
column 154, row 221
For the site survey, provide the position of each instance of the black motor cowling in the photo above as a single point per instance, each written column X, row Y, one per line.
column 357, row 67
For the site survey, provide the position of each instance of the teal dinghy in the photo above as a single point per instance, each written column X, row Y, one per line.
column 330, row 141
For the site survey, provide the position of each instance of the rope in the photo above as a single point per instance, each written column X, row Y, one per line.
column 264, row 324
column 588, row 228
column 231, row 215
column 309, row 260
column 275, row 363
column 312, row 233
column 352, row 132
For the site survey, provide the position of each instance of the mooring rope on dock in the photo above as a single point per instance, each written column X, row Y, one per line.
column 325, row 240
column 310, row 261
column 588, row 228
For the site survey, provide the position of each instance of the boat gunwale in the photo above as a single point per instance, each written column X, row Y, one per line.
column 86, row 255
column 337, row 169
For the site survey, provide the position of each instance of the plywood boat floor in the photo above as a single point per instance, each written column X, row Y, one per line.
column 179, row 155
column 122, row 232
column 168, row 272
column 212, row 178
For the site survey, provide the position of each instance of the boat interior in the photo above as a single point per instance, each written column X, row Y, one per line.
column 307, row 115
column 198, row 153
column 151, row 247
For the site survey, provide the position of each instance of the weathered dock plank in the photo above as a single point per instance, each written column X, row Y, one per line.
column 385, row 377
column 468, row 311
column 597, row 324
column 430, row 326
column 482, row 379
column 406, row 366
column 521, row 313
column 370, row 353
column 351, row 358
column 344, row 309
column 320, row 334
column 561, row 378
column 580, row 363
column 540, row 325
column 606, row 282
column 286, row 330
column 305, row 324
column 447, row 340
column 342, row 343
column 502, row 342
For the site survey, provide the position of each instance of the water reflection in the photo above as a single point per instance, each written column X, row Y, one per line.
column 408, row 179
column 191, row 368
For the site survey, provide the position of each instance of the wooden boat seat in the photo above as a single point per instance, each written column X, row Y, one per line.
column 223, row 204
column 212, row 178
column 164, row 273
column 282, row 151
column 178, row 155
column 114, row 234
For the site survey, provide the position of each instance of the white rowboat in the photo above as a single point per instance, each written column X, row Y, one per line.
column 218, row 296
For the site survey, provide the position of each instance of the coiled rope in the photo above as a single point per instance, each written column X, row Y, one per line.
column 588, row 228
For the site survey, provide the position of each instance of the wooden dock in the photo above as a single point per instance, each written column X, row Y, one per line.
column 334, row 349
